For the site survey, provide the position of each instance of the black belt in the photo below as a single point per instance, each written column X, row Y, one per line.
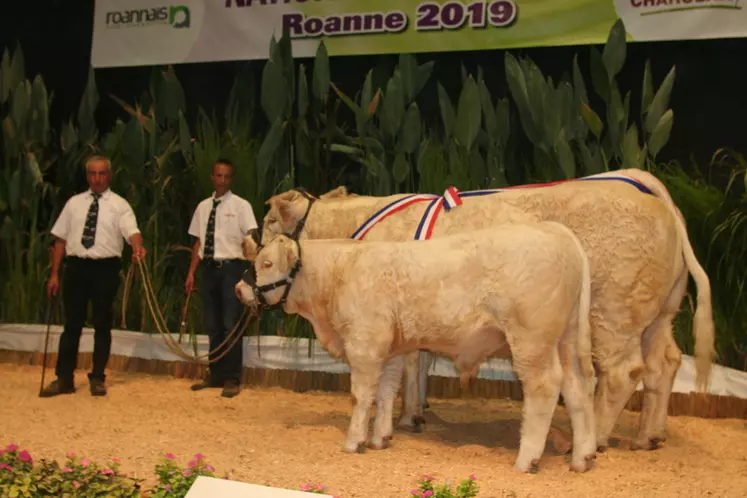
column 93, row 260
column 218, row 263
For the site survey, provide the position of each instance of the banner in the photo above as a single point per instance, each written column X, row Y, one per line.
column 152, row 32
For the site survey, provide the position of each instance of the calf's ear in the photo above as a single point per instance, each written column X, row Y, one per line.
column 284, row 210
column 340, row 191
column 250, row 246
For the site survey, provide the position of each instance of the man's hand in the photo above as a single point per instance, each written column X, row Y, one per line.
column 53, row 285
column 138, row 253
column 189, row 284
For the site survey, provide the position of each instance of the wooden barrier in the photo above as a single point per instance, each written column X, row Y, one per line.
column 692, row 404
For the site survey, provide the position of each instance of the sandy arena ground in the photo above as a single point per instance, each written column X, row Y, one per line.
column 280, row 438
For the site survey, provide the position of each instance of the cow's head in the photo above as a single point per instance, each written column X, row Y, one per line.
column 289, row 211
column 275, row 265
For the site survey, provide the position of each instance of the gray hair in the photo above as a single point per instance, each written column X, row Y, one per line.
column 99, row 157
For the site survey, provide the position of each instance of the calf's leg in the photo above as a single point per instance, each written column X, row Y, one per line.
column 388, row 386
column 426, row 360
column 541, row 376
column 365, row 375
column 578, row 396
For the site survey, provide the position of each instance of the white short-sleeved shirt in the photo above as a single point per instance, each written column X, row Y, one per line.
column 234, row 218
column 116, row 220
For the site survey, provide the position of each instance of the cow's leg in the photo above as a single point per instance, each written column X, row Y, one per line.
column 426, row 360
column 662, row 359
column 578, row 396
column 541, row 376
column 412, row 413
column 617, row 379
column 388, row 386
column 364, row 378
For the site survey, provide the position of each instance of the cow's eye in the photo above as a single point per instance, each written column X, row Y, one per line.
column 267, row 263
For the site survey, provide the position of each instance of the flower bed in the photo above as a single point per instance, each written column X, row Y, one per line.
column 21, row 477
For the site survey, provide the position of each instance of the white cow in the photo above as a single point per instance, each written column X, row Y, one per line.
column 640, row 257
column 518, row 289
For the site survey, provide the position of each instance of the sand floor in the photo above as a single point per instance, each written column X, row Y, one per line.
column 279, row 438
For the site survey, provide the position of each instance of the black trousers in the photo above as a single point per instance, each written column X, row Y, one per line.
column 95, row 281
column 222, row 311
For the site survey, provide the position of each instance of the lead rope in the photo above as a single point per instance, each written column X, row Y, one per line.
column 233, row 337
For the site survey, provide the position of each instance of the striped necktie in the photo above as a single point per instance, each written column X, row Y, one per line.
column 89, row 230
column 210, row 234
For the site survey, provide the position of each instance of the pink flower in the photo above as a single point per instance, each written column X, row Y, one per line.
column 67, row 470
column 71, row 454
column 428, row 493
column 170, row 456
column 12, row 447
column 306, row 487
column 187, row 473
column 199, row 456
column 472, row 477
column 167, row 487
column 192, row 464
column 107, row 471
column 209, row 468
column 428, row 477
column 320, row 487
column 415, row 492
column 2, row 452
column 24, row 456
column 5, row 466
column 76, row 484
column 117, row 461
column 85, row 462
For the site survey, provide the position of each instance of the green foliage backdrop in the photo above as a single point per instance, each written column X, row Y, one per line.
column 299, row 129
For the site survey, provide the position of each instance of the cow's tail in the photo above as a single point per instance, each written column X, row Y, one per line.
column 703, row 326
column 583, row 341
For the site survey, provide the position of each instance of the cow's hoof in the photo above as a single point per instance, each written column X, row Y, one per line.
column 531, row 468
column 426, row 405
column 354, row 448
column 601, row 448
column 647, row 444
column 586, row 465
column 382, row 445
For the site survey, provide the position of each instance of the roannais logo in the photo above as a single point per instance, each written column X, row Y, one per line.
column 177, row 16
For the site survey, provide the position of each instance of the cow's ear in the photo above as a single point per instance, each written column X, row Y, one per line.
column 250, row 246
column 290, row 254
column 284, row 210
column 340, row 191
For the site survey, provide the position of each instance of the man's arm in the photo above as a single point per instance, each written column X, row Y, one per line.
column 138, row 251
column 58, row 251
column 189, row 285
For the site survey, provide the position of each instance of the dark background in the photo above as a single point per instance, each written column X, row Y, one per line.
column 709, row 97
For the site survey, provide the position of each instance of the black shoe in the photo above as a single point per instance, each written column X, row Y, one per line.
column 230, row 389
column 56, row 387
column 98, row 388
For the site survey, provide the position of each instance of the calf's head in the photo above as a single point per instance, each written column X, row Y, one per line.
column 274, row 267
column 289, row 211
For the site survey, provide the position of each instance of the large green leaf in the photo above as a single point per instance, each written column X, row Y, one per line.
column 647, row 92
column 5, row 77
column 321, row 78
column 38, row 125
column 631, row 150
column 599, row 78
column 185, row 137
column 411, row 129
column 447, row 111
column 400, row 168
column 660, row 102
column 21, row 102
column 269, row 146
column 565, row 155
column 394, row 105
column 592, row 120
column 488, row 112
column 133, row 143
column 87, row 109
column 614, row 52
column 170, row 98
column 274, row 91
column 660, row 135
column 468, row 114
column 303, row 93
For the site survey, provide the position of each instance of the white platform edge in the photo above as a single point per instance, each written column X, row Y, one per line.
column 211, row 487
column 293, row 354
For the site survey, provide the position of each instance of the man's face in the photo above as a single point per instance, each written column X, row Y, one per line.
column 98, row 176
column 222, row 177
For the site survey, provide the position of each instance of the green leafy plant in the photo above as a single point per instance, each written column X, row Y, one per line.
column 175, row 481
column 427, row 488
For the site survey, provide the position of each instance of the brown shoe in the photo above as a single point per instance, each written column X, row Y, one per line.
column 57, row 387
column 98, row 388
column 230, row 389
column 205, row 384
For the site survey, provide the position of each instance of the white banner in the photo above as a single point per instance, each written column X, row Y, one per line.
column 154, row 32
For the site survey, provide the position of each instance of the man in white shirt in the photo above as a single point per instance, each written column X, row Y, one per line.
column 219, row 224
column 90, row 232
